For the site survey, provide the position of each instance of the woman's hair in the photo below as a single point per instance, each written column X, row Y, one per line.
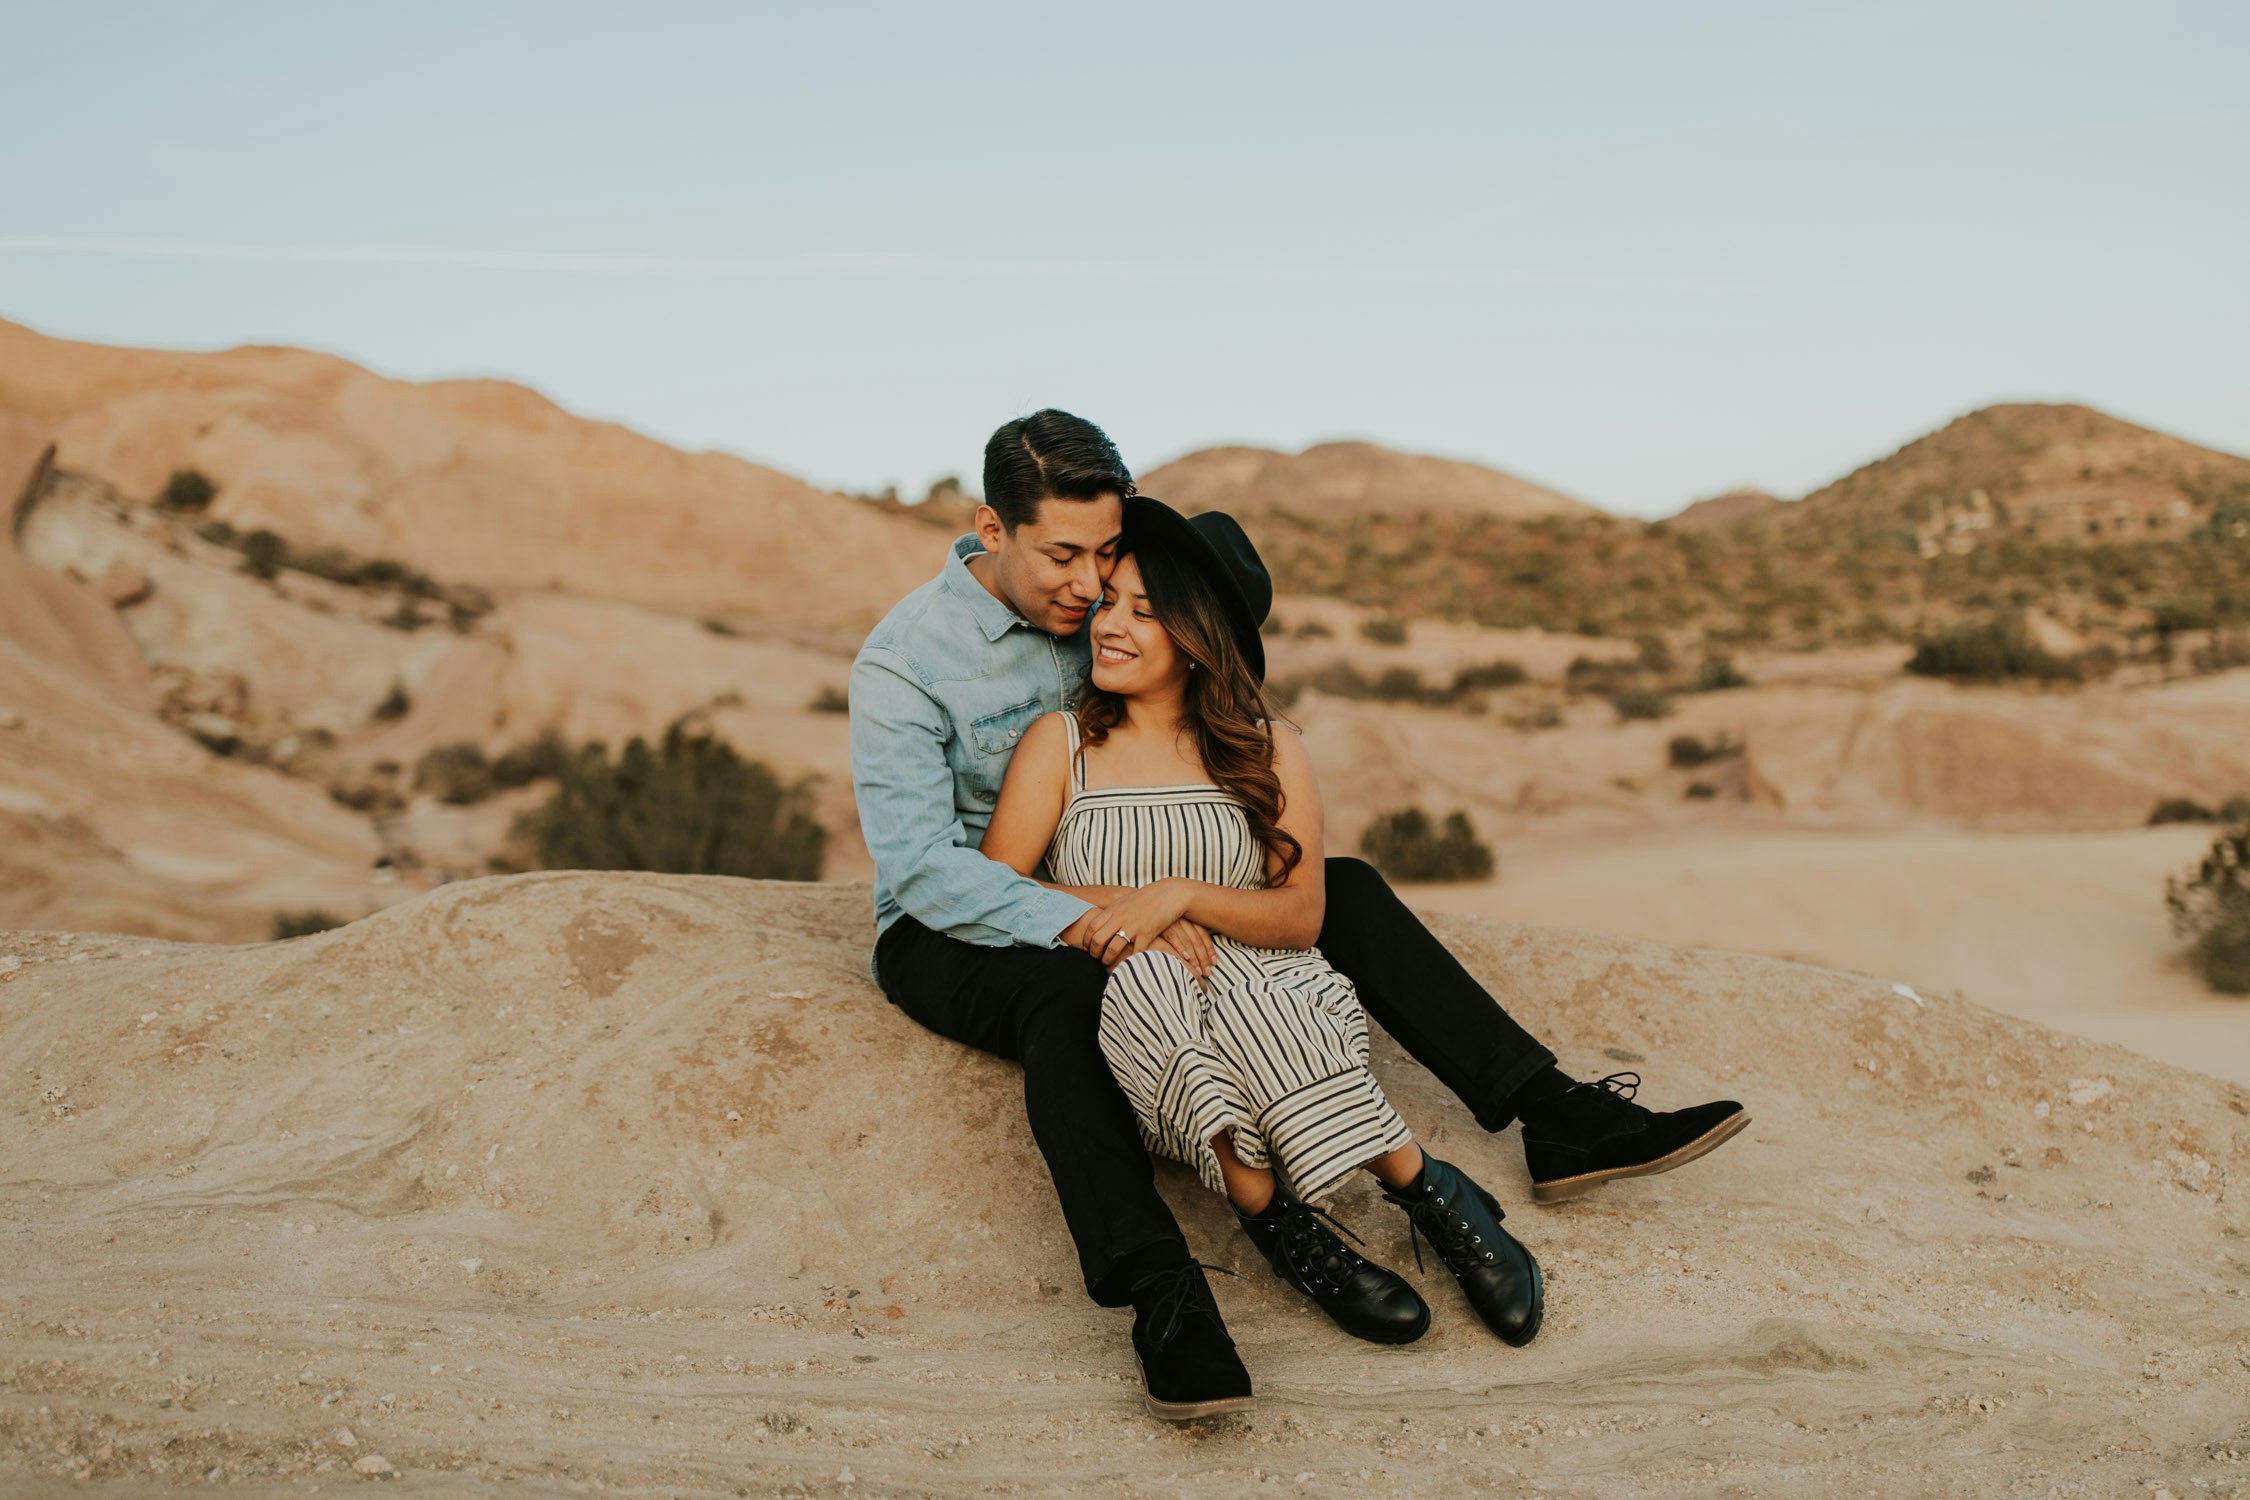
column 1228, row 710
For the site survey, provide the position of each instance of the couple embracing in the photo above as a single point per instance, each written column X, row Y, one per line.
column 1098, row 852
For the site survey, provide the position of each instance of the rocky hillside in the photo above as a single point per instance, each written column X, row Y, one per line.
column 474, row 481
column 1334, row 480
column 2044, row 472
column 635, row 1183
column 1728, row 509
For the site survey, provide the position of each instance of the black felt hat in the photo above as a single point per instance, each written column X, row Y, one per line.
column 1214, row 545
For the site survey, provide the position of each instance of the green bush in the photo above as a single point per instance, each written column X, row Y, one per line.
column 541, row 759
column 1685, row 750
column 689, row 805
column 1404, row 846
column 1384, row 630
column 1492, row 674
column 456, row 773
column 1716, row 675
column 1640, row 703
column 1993, row 650
column 2211, row 911
column 264, row 553
column 187, row 489
column 296, row 924
column 2178, row 810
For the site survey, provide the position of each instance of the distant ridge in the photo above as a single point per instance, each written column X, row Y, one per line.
column 473, row 481
column 2063, row 472
column 1730, row 509
column 1331, row 480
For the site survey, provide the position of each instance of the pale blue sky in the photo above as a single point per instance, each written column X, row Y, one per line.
column 1640, row 251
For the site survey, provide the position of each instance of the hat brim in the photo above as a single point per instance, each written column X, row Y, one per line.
column 1148, row 519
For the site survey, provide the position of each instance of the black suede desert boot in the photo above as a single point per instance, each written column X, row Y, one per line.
column 1188, row 1363
column 1462, row 1223
column 1594, row 1133
column 1367, row 1301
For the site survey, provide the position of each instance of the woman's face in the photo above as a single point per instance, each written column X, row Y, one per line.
column 1132, row 653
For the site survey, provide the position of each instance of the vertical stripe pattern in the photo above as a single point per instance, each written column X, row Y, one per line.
column 1272, row 1047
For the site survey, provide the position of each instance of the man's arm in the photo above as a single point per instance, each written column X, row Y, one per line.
column 904, row 787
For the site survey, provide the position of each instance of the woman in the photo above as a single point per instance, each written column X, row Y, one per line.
column 1175, row 802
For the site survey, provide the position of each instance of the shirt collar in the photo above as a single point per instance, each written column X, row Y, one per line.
column 994, row 618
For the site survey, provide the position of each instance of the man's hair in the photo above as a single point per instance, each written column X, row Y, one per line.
column 1049, row 453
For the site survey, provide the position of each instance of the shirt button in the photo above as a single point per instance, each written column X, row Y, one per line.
column 1011, row 734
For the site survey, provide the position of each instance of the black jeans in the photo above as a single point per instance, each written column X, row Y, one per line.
column 1042, row 1006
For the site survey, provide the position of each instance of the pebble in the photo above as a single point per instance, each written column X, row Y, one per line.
column 845, row 1476
column 10, row 964
column 473, row 1264
column 375, row 1466
column 346, row 1438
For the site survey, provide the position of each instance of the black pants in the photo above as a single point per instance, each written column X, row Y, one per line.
column 1042, row 1007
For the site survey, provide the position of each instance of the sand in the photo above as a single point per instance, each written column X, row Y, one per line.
column 634, row 1183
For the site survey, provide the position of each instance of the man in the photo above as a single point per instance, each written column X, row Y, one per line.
column 941, row 693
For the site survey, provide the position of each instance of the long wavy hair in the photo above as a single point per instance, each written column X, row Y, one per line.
column 1227, row 708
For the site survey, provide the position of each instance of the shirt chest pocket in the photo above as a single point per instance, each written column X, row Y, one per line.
column 998, row 734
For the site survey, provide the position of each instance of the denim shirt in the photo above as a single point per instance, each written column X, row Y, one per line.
column 940, row 694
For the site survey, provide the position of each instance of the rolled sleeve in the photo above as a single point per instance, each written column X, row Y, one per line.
column 904, row 788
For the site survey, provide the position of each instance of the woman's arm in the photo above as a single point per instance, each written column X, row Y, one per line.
column 1284, row 915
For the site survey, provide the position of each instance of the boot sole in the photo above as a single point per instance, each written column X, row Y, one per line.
column 1190, row 1411
column 1585, row 1182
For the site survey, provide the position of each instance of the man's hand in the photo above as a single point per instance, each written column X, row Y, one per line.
column 1124, row 927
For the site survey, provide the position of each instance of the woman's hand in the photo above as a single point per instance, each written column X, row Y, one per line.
column 1122, row 928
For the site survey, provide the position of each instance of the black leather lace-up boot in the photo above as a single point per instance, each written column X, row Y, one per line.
column 1462, row 1223
column 1367, row 1301
column 1594, row 1133
column 1188, row 1362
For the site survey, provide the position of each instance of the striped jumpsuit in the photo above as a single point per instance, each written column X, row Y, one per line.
column 1273, row 1046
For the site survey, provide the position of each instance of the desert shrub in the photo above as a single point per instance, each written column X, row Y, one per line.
column 1640, row 703
column 718, row 626
column 2235, row 810
column 187, row 489
column 456, row 773
column 217, row 532
column 263, row 553
column 1686, row 750
column 1591, row 674
column 1992, row 650
column 1717, row 674
column 296, row 924
column 1340, row 679
column 2211, row 911
column 1542, row 716
column 395, row 703
column 1384, row 630
column 2226, row 650
column 1701, row 791
column 2178, row 810
column 1404, row 846
column 1275, row 626
column 540, row 759
column 830, row 700
column 1313, row 630
column 1400, row 685
column 1492, row 674
column 689, row 804
column 1656, row 654
column 405, row 617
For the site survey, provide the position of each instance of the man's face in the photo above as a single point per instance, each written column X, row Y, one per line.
column 1051, row 569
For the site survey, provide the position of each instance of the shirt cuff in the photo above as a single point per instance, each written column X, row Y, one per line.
column 1054, row 911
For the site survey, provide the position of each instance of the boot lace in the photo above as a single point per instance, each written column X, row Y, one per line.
column 1175, row 1294
column 1453, row 1237
column 1617, row 1085
column 1311, row 1249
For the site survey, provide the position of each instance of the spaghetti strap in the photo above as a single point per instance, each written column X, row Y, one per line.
column 1077, row 752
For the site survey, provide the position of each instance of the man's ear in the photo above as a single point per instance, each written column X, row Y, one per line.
column 989, row 530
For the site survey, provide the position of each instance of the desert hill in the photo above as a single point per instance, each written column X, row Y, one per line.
column 2052, row 472
column 1331, row 480
column 633, row 1181
column 471, row 481
column 1728, row 509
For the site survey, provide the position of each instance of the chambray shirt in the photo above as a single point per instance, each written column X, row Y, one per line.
column 941, row 693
